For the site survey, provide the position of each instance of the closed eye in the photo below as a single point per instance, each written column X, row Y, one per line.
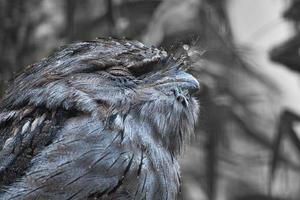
column 140, row 71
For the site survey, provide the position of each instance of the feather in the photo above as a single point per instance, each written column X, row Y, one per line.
column 97, row 119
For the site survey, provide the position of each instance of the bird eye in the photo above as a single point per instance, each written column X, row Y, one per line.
column 143, row 69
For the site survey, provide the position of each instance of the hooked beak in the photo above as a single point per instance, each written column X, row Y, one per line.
column 181, row 80
column 187, row 82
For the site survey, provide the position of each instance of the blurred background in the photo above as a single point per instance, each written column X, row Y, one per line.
column 245, row 53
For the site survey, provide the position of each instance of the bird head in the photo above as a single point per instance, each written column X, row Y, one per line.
column 137, row 89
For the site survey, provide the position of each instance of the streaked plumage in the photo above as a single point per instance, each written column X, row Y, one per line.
column 104, row 119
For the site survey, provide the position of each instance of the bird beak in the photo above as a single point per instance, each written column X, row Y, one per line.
column 187, row 82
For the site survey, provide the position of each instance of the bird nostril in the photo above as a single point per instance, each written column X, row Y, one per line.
column 179, row 98
column 182, row 99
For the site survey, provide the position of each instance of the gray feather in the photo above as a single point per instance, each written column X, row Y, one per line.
column 96, row 120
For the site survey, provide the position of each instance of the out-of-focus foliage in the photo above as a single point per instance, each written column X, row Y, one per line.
column 17, row 24
column 288, row 54
column 239, row 150
column 234, row 154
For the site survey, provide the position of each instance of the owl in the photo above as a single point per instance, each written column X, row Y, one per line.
column 103, row 119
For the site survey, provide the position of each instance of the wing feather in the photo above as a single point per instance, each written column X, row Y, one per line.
column 75, row 159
